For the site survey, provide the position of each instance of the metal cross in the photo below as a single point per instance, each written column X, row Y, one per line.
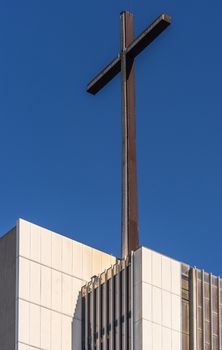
column 124, row 63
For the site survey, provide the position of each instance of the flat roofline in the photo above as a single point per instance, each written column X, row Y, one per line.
column 66, row 236
column 163, row 254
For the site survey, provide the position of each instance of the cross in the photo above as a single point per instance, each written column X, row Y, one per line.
column 124, row 64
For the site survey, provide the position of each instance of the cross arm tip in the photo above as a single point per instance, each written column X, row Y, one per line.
column 90, row 90
column 107, row 74
column 149, row 34
column 166, row 18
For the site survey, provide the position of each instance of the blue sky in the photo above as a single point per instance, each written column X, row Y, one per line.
column 60, row 148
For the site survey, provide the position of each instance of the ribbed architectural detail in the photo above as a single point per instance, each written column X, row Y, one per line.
column 108, row 308
column 201, row 310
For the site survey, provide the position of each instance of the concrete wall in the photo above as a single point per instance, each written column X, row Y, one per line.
column 51, row 271
column 41, row 275
column 157, row 301
column 7, row 290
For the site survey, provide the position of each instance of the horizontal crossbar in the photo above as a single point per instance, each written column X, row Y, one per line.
column 149, row 34
column 134, row 49
column 105, row 76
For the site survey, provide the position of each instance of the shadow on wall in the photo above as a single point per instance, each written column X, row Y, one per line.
column 76, row 326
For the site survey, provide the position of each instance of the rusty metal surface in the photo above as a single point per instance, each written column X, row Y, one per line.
column 129, row 176
column 124, row 63
column 135, row 47
column 148, row 35
column 104, row 76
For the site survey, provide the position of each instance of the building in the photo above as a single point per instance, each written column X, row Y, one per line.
column 41, row 275
column 58, row 294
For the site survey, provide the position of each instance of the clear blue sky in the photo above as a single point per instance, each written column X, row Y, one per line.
column 60, row 148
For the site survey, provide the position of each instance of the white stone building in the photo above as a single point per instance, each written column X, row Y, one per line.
column 55, row 295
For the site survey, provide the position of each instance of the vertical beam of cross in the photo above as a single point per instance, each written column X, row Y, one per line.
column 124, row 63
column 130, row 239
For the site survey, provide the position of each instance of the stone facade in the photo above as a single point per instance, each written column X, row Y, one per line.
column 157, row 301
column 41, row 275
column 59, row 294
